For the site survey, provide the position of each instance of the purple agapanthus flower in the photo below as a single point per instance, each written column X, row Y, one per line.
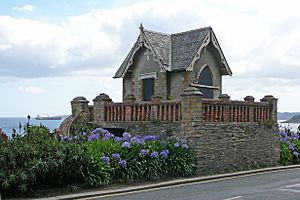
column 116, row 155
column 144, row 152
column 118, row 139
column 126, row 145
column 296, row 154
column 154, row 154
column 137, row 140
column 105, row 159
column 283, row 139
column 283, row 133
column 126, row 136
column 96, row 131
column 109, row 135
column 295, row 136
column 185, row 146
column 151, row 137
column 291, row 145
column 164, row 153
column 93, row 137
column 123, row 163
column 103, row 132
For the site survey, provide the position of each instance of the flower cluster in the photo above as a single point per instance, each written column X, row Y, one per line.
column 180, row 143
column 154, row 154
column 107, row 160
column 288, row 137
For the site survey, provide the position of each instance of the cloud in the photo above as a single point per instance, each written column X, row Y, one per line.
column 260, row 45
column 26, row 8
column 31, row 90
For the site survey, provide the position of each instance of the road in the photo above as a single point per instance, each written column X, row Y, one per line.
column 280, row 185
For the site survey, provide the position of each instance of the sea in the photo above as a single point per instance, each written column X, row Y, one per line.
column 292, row 126
column 9, row 123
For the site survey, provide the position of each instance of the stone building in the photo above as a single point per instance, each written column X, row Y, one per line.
column 164, row 65
column 173, row 83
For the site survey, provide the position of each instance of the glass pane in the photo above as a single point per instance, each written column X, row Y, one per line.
column 206, row 78
column 148, row 88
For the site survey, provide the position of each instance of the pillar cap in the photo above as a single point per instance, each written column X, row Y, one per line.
column 190, row 91
column 80, row 99
column 268, row 98
column 130, row 98
column 224, row 97
column 249, row 98
column 102, row 97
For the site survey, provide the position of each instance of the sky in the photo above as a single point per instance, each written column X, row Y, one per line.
column 54, row 50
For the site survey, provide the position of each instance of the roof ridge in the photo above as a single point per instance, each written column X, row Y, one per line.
column 194, row 30
column 161, row 33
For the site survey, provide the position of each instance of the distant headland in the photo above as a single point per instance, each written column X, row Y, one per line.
column 293, row 119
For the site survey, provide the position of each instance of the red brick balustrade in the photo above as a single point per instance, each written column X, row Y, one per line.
column 235, row 111
column 144, row 111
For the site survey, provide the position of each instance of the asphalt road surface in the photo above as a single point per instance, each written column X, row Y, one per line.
column 280, row 185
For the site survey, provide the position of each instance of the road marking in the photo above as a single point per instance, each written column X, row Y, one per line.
column 290, row 190
column 294, row 185
column 237, row 197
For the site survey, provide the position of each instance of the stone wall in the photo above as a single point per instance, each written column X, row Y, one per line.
column 232, row 147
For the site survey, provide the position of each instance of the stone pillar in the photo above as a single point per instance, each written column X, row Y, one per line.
column 129, row 103
column 225, row 98
column 250, row 100
column 155, row 99
column 191, row 105
column 191, row 111
column 80, row 105
column 99, row 108
column 273, row 102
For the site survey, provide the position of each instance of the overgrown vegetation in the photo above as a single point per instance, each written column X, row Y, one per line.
column 290, row 146
column 95, row 158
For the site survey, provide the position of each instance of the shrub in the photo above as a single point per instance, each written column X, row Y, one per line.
column 39, row 159
column 138, row 157
column 290, row 146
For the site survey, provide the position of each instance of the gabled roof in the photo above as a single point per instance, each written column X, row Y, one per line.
column 174, row 51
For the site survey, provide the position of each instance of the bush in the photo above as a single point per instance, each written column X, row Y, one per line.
column 138, row 157
column 39, row 160
column 290, row 146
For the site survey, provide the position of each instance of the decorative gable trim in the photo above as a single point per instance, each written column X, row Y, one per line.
column 143, row 42
column 217, row 46
column 204, row 44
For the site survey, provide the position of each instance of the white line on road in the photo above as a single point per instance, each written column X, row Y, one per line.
column 237, row 197
column 290, row 190
column 294, row 185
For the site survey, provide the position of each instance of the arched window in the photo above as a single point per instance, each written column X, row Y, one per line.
column 206, row 79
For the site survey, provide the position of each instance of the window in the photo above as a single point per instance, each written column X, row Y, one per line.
column 206, row 79
column 148, row 89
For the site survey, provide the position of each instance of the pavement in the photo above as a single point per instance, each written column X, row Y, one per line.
column 182, row 181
